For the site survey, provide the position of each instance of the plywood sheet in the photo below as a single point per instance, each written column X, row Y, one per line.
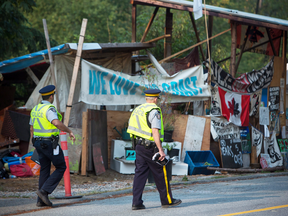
column 74, row 149
column 206, row 136
column 180, row 128
column 97, row 133
column 115, row 119
column 98, row 159
column 193, row 135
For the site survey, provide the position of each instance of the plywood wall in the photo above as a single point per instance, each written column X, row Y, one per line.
column 118, row 119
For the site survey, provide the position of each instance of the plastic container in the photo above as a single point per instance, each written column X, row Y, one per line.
column 12, row 176
column 130, row 154
column 198, row 161
column 35, row 168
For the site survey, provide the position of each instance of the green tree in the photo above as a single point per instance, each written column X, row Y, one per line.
column 18, row 37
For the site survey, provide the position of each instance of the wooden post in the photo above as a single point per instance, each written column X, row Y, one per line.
column 75, row 72
column 133, row 23
column 168, row 30
column 210, row 27
column 158, row 38
column 85, row 135
column 233, row 49
column 51, row 61
column 242, row 49
column 149, row 24
column 197, row 35
column 271, row 42
column 32, row 75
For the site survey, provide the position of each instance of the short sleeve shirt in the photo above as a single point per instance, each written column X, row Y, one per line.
column 51, row 113
column 155, row 119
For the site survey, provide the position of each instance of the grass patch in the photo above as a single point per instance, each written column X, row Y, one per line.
column 185, row 178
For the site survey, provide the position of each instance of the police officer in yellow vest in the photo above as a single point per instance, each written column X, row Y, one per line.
column 45, row 126
column 144, row 126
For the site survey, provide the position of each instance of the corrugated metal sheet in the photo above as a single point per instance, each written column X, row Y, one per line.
column 231, row 12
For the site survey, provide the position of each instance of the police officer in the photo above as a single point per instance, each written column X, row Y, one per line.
column 45, row 125
column 144, row 126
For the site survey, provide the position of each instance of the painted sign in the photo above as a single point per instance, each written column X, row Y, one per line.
column 102, row 86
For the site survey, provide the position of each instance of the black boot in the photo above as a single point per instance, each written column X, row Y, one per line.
column 43, row 195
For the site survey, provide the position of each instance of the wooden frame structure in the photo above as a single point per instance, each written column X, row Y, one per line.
column 234, row 20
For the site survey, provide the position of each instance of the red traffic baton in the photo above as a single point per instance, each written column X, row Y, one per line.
column 67, row 183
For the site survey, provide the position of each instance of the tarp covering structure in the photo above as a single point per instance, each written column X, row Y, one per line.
column 25, row 61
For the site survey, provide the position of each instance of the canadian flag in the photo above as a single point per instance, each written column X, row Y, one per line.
column 235, row 107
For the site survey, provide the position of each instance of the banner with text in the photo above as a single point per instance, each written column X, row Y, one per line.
column 222, row 129
column 247, row 83
column 102, row 86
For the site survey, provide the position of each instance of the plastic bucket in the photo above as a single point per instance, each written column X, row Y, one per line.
column 35, row 168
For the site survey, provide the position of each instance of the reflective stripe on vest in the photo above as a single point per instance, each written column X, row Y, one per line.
column 138, row 122
column 41, row 126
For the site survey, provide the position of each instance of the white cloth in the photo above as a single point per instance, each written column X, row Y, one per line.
column 197, row 8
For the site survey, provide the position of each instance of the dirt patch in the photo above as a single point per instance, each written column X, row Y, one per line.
column 31, row 183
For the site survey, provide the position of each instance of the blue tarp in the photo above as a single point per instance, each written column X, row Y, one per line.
column 25, row 61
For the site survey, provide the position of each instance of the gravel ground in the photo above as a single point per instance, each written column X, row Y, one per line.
column 94, row 188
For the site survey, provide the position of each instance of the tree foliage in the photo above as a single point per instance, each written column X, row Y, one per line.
column 18, row 37
column 110, row 21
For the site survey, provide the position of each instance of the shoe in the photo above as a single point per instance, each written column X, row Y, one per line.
column 43, row 195
column 138, row 207
column 175, row 202
column 40, row 204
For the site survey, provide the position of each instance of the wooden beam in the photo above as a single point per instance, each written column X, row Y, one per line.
column 191, row 47
column 242, row 170
column 233, row 49
column 242, row 49
column 197, row 34
column 75, row 72
column 85, row 136
column 149, row 24
column 133, row 23
column 210, row 28
column 168, row 30
column 51, row 61
column 248, row 49
column 158, row 38
column 271, row 42
column 284, row 45
column 211, row 13
column 32, row 75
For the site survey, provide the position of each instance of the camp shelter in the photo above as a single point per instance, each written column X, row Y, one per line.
column 115, row 56
column 239, row 24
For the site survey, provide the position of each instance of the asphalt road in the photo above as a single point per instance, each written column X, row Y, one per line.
column 266, row 196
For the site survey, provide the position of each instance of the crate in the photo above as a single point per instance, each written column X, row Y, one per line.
column 198, row 161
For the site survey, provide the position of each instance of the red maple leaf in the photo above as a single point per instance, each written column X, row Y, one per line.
column 231, row 106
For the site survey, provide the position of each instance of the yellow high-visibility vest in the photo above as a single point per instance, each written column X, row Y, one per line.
column 138, row 125
column 42, row 127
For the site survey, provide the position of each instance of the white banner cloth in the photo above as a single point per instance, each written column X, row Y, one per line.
column 102, row 86
column 257, row 139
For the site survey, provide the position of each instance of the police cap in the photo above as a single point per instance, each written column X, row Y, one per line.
column 152, row 92
column 47, row 90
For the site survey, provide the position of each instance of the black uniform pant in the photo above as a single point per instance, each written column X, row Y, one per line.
column 49, row 182
column 143, row 164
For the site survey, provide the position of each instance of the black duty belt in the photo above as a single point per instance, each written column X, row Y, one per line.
column 146, row 143
column 43, row 138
